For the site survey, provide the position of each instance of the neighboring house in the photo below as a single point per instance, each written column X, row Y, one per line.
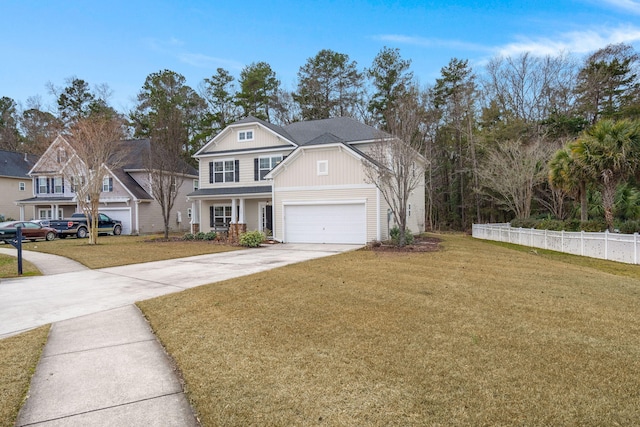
column 126, row 193
column 15, row 182
column 303, row 182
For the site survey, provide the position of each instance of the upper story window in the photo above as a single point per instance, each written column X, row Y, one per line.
column 21, row 186
column 224, row 171
column 61, row 155
column 265, row 164
column 245, row 135
column 107, row 184
column 57, row 185
column 43, row 184
column 196, row 184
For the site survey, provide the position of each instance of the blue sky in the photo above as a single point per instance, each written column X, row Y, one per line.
column 121, row 42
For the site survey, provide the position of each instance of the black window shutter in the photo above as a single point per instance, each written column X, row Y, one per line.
column 256, row 175
column 37, row 185
column 210, row 172
column 63, row 184
column 211, row 221
column 48, row 185
column 110, row 184
column 237, row 168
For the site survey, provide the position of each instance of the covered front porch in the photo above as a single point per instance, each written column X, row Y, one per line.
column 247, row 209
column 46, row 208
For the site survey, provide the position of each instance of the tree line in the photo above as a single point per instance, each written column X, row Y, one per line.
column 508, row 141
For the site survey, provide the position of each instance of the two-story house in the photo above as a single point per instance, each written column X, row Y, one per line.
column 126, row 190
column 15, row 182
column 304, row 182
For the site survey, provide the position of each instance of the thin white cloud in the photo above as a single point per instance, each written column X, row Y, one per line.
column 628, row 5
column 430, row 42
column 174, row 47
column 204, row 61
column 575, row 41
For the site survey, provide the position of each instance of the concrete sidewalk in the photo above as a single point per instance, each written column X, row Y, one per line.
column 47, row 264
column 102, row 365
column 29, row 302
column 105, row 369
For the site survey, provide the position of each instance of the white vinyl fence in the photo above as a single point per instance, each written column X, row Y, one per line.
column 610, row 246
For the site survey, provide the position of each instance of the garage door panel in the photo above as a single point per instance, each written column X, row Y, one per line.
column 330, row 223
column 123, row 215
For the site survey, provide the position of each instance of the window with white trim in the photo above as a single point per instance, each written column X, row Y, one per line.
column 42, row 185
column 265, row 164
column 220, row 216
column 21, row 186
column 323, row 167
column 61, row 155
column 57, row 185
column 224, row 171
column 189, row 213
column 245, row 135
column 196, row 184
column 46, row 214
column 107, row 184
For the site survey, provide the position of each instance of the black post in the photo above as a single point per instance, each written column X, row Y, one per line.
column 19, row 247
column 17, row 243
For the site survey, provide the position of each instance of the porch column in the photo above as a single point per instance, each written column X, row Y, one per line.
column 53, row 212
column 241, row 216
column 195, row 216
column 234, row 218
column 22, row 213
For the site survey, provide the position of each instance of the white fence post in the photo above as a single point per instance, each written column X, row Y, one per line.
column 582, row 242
column 635, row 247
column 606, row 244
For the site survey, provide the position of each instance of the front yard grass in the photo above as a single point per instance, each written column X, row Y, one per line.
column 112, row 251
column 9, row 267
column 475, row 334
column 19, row 355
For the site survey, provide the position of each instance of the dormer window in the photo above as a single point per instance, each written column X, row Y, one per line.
column 245, row 135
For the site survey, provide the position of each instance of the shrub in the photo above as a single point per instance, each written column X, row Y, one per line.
column 200, row 235
column 394, row 233
column 188, row 236
column 630, row 227
column 551, row 224
column 593, row 226
column 252, row 239
column 524, row 223
column 210, row 235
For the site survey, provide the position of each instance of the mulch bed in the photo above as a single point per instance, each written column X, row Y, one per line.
column 420, row 244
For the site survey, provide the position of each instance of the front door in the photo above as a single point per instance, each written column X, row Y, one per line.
column 266, row 218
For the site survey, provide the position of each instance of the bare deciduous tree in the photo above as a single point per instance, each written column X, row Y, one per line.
column 395, row 165
column 166, row 171
column 94, row 152
column 511, row 171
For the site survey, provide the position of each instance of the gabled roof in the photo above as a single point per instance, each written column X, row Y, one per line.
column 16, row 165
column 278, row 130
column 345, row 129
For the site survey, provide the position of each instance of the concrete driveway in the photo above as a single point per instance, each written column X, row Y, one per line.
column 29, row 302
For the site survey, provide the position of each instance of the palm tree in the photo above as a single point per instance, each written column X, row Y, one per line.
column 610, row 153
column 567, row 174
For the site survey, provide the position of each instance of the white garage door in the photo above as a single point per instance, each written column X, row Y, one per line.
column 331, row 223
column 121, row 214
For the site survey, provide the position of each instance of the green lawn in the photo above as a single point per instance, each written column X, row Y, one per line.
column 112, row 251
column 19, row 356
column 475, row 334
